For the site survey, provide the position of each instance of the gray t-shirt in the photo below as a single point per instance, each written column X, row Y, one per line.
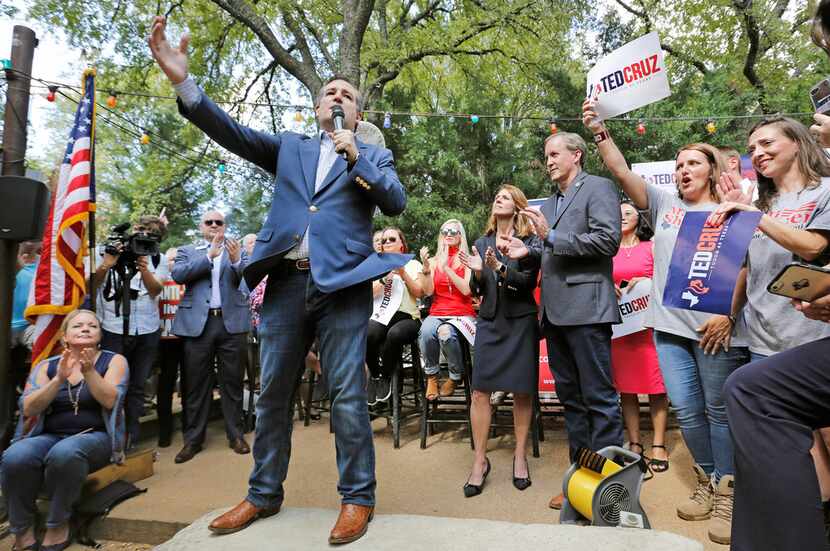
column 666, row 211
column 775, row 325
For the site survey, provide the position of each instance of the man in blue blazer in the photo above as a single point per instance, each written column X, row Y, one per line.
column 212, row 320
column 316, row 249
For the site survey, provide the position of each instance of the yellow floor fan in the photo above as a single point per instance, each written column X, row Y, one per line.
column 603, row 488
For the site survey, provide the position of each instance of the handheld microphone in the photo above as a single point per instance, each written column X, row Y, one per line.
column 338, row 117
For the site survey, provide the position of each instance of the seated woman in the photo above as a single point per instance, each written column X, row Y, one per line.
column 507, row 333
column 384, row 341
column 448, row 281
column 72, row 424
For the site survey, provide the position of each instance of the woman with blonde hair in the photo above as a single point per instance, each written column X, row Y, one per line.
column 72, row 423
column 447, row 280
column 507, row 333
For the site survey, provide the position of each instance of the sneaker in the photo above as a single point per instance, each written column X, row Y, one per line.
column 700, row 503
column 383, row 389
column 371, row 393
column 720, row 527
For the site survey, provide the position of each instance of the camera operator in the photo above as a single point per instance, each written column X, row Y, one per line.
column 140, row 342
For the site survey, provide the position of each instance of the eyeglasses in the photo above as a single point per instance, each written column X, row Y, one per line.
column 450, row 232
column 386, row 240
column 214, row 223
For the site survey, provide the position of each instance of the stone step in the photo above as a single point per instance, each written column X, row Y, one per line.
column 307, row 529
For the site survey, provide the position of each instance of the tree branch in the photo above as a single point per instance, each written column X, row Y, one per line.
column 245, row 14
column 669, row 48
column 271, row 66
column 317, row 38
column 754, row 35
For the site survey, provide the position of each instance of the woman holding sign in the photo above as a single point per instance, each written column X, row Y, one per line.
column 633, row 358
column 697, row 351
column 395, row 320
column 507, row 333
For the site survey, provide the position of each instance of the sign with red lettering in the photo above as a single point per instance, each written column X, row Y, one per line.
column 629, row 77
column 633, row 306
column 659, row 173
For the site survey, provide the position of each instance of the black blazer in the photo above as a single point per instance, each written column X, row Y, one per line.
column 514, row 290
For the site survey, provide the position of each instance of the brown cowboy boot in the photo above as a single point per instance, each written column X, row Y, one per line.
column 432, row 387
column 352, row 523
column 448, row 387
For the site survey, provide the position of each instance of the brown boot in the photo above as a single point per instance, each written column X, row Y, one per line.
column 448, row 387
column 240, row 517
column 432, row 387
column 720, row 527
column 700, row 503
column 351, row 524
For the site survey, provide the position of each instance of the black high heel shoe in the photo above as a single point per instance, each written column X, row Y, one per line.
column 472, row 490
column 521, row 483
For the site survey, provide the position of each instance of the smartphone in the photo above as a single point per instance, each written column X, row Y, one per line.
column 801, row 281
column 820, row 96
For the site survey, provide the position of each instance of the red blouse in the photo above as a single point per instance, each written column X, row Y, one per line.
column 447, row 300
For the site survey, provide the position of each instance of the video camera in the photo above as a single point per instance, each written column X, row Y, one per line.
column 131, row 246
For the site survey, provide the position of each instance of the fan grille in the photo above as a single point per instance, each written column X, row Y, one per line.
column 614, row 498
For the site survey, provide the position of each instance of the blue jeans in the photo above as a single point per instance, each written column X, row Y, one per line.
column 293, row 312
column 140, row 351
column 57, row 464
column 432, row 344
column 694, row 382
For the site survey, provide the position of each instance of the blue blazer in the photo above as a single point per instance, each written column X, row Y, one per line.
column 338, row 215
column 193, row 269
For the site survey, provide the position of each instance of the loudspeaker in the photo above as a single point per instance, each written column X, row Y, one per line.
column 24, row 206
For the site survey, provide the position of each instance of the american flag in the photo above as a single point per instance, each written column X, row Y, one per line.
column 60, row 280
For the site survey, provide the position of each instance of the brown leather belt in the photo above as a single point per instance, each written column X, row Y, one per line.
column 298, row 265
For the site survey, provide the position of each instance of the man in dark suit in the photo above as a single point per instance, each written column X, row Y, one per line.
column 316, row 250
column 212, row 320
column 579, row 228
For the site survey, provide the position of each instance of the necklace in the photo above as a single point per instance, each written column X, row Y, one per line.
column 627, row 249
column 77, row 400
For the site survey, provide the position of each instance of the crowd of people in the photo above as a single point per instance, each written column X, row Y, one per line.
column 750, row 389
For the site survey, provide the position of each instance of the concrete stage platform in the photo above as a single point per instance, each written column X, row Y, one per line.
column 300, row 529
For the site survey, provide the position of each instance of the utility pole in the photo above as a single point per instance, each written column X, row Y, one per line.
column 24, row 43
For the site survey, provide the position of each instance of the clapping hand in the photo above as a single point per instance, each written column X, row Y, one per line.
column 171, row 60
column 424, row 252
column 64, row 366
column 540, row 223
column 490, row 259
column 473, row 261
column 512, row 247
column 234, row 250
column 216, row 245
column 730, row 190
column 87, row 359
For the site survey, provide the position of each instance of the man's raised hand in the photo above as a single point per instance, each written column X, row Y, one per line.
column 171, row 60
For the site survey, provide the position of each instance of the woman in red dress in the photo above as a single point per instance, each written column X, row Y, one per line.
column 634, row 359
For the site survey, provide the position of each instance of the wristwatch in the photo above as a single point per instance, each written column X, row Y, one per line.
column 601, row 136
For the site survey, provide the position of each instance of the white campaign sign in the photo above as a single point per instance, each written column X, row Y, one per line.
column 389, row 300
column 629, row 77
column 660, row 173
column 633, row 306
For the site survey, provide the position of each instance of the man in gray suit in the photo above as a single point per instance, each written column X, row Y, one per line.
column 579, row 230
column 212, row 320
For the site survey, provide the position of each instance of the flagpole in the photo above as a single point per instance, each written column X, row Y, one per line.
column 93, row 295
